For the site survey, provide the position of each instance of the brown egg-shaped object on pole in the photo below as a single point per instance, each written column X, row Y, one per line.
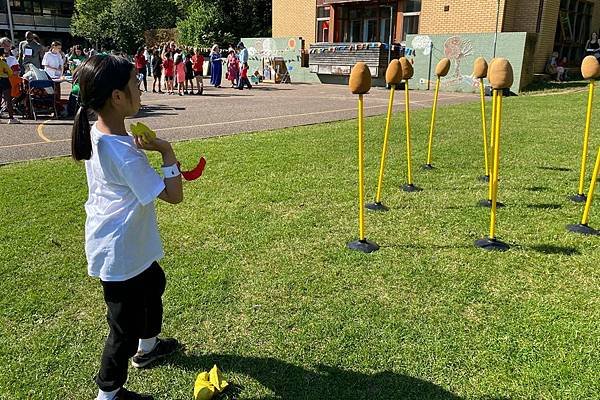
column 407, row 68
column 590, row 68
column 501, row 74
column 443, row 67
column 480, row 68
column 360, row 79
column 480, row 71
column 393, row 75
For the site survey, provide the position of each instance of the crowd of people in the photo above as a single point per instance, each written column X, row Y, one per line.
column 176, row 70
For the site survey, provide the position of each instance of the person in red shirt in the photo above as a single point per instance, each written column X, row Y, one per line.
column 198, row 67
column 169, row 70
column 244, row 78
column 141, row 67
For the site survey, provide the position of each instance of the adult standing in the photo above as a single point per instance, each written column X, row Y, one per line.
column 243, row 57
column 30, row 51
column 592, row 46
column 233, row 68
column 53, row 61
column 76, row 58
column 216, row 67
column 11, row 60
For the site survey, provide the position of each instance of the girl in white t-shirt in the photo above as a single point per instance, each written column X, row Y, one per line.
column 122, row 243
column 53, row 61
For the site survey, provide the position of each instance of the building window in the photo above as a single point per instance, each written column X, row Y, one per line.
column 412, row 11
column 573, row 29
column 42, row 7
column 412, row 6
column 323, row 24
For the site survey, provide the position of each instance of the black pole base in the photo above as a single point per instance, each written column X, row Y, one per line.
column 411, row 188
column 484, row 178
column 583, row 229
column 488, row 204
column 491, row 244
column 578, row 198
column 427, row 167
column 364, row 246
column 375, row 206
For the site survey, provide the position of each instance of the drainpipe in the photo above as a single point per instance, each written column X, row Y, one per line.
column 496, row 33
column 10, row 22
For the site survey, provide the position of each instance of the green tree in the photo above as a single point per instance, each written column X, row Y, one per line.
column 92, row 20
column 122, row 23
column 225, row 22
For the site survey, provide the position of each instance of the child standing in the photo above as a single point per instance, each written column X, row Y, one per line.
column 122, row 242
column 5, row 87
column 198, row 67
column 180, row 71
column 189, row 74
column 156, row 71
column 244, row 78
column 169, row 70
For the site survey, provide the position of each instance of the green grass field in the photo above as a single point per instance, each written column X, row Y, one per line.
column 260, row 281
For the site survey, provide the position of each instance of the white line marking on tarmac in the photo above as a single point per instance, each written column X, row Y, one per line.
column 47, row 141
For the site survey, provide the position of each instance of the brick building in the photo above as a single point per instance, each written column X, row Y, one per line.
column 556, row 25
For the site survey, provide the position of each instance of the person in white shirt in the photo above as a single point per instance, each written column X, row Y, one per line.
column 122, row 243
column 11, row 60
column 53, row 61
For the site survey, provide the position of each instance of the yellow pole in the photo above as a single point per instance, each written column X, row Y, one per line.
column 385, row 144
column 586, row 137
column 361, row 194
column 435, row 100
column 492, row 138
column 588, row 204
column 483, row 124
column 494, row 177
column 408, row 145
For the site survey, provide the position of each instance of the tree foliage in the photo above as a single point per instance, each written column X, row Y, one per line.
column 224, row 22
column 121, row 23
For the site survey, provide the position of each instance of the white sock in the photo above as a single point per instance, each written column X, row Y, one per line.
column 102, row 395
column 147, row 345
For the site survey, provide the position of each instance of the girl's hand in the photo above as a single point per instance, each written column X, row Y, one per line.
column 160, row 145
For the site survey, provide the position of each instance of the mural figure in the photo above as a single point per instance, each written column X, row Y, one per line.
column 457, row 49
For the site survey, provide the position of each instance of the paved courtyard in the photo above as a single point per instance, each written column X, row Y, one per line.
column 219, row 112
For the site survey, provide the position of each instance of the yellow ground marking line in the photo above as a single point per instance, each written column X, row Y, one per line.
column 40, row 128
column 40, row 131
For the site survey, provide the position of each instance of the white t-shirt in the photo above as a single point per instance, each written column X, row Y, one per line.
column 55, row 62
column 121, row 232
column 11, row 60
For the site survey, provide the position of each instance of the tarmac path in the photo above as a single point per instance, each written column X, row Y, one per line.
column 223, row 111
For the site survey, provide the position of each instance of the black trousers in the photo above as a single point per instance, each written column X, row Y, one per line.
column 134, row 311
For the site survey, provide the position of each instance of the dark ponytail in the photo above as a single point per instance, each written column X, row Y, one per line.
column 97, row 77
column 81, row 140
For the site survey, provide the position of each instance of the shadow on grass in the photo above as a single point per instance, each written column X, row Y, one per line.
column 551, row 168
column 291, row 382
column 553, row 85
column 428, row 247
column 551, row 249
column 537, row 189
column 544, row 206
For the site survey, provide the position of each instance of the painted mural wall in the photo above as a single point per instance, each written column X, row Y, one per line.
column 462, row 50
column 265, row 51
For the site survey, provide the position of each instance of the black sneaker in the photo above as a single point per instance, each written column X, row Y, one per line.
column 163, row 348
column 124, row 394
